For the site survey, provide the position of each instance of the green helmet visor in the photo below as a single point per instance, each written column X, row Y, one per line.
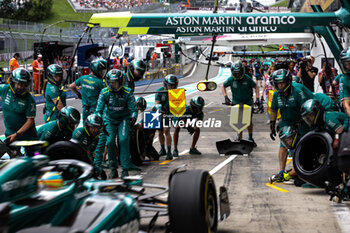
column 101, row 73
column 311, row 118
column 289, row 142
column 71, row 125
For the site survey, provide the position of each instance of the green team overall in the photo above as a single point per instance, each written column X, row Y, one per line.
column 121, row 112
column 241, row 86
column 62, row 128
column 288, row 99
column 161, row 97
column 136, row 70
column 88, row 135
column 52, row 90
column 344, row 85
column 19, row 108
column 314, row 114
column 193, row 111
column 91, row 86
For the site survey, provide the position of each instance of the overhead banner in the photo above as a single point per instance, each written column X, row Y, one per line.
column 177, row 102
column 193, row 24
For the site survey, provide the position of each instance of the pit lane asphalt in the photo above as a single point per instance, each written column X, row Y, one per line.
column 255, row 207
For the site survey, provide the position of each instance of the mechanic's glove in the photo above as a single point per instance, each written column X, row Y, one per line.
column 132, row 121
column 79, row 95
column 227, row 101
column 190, row 130
column 273, row 130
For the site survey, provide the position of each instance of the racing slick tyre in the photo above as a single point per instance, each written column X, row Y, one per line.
column 66, row 150
column 192, row 202
column 313, row 160
column 137, row 146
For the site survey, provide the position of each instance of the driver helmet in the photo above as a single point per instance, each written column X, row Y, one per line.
column 288, row 136
column 53, row 71
column 68, row 118
column 312, row 113
column 98, row 67
column 51, row 180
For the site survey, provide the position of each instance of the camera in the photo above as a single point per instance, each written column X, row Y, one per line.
column 303, row 62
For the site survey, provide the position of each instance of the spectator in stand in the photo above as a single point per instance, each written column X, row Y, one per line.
column 38, row 71
column 13, row 64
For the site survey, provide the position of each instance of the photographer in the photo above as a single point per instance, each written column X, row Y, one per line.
column 326, row 77
column 307, row 72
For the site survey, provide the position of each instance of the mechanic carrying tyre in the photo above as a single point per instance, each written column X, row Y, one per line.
column 289, row 99
column 241, row 86
column 52, row 90
column 121, row 112
column 19, row 108
column 193, row 111
column 91, row 86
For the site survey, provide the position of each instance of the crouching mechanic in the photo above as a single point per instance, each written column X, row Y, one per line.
column 288, row 98
column 121, row 112
column 193, row 111
column 136, row 70
column 62, row 128
column 91, row 86
column 170, row 82
column 242, row 87
column 19, row 108
column 52, row 90
column 87, row 136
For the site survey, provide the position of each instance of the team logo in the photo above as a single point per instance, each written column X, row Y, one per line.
column 152, row 120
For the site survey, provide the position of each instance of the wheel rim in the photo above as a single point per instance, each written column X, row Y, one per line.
column 211, row 207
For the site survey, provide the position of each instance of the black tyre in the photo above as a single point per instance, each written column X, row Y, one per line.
column 66, row 150
column 192, row 202
column 343, row 156
column 137, row 146
column 314, row 161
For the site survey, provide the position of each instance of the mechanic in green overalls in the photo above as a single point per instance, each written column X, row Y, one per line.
column 121, row 112
column 161, row 97
column 88, row 135
column 242, row 86
column 91, row 86
column 288, row 99
column 52, row 90
column 193, row 111
column 62, row 128
column 344, row 85
column 19, row 108
column 136, row 70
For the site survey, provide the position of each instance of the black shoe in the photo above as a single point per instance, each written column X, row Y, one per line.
column 298, row 182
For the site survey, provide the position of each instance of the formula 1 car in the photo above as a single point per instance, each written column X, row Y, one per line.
column 38, row 195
